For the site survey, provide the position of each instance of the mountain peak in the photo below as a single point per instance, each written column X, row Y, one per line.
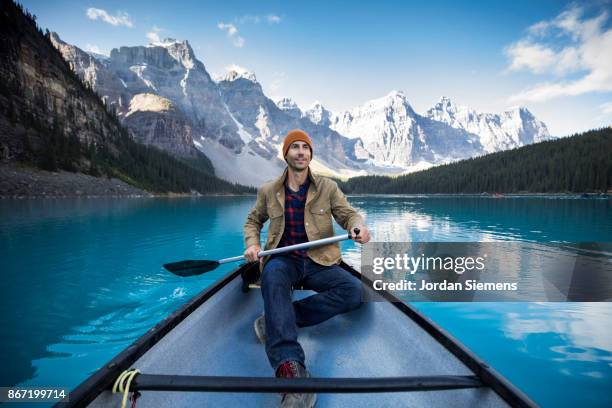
column 287, row 103
column 396, row 94
column 445, row 104
column 236, row 72
column 394, row 98
column 316, row 105
column 445, row 100
column 180, row 51
column 56, row 38
column 318, row 114
column 521, row 110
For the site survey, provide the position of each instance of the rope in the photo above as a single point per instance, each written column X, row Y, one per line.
column 122, row 383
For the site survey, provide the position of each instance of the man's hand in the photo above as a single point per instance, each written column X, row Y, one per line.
column 364, row 234
column 251, row 253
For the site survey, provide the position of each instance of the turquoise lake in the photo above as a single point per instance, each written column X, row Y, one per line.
column 82, row 279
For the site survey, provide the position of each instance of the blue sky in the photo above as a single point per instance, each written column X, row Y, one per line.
column 554, row 57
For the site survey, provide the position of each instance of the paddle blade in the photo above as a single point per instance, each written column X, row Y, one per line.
column 191, row 268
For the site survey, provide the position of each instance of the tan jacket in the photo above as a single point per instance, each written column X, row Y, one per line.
column 323, row 200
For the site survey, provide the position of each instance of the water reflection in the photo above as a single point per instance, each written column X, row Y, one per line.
column 472, row 219
column 585, row 327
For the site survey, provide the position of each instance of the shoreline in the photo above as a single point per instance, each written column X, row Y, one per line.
column 23, row 182
column 501, row 195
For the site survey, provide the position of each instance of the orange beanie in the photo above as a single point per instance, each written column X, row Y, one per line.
column 294, row 136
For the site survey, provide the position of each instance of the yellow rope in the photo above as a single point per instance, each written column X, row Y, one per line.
column 122, row 384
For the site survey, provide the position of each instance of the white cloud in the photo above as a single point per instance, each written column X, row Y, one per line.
column 121, row 18
column 567, row 44
column 153, row 35
column 232, row 33
column 567, row 22
column 534, row 57
column 95, row 49
column 231, row 29
column 606, row 107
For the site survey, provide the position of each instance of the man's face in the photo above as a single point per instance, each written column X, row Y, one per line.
column 298, row 156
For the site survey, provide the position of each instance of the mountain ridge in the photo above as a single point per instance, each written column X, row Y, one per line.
column 236, row 120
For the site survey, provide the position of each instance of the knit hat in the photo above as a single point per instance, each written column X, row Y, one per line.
column 295, row 136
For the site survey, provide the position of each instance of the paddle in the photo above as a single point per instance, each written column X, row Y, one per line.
column 198, row 267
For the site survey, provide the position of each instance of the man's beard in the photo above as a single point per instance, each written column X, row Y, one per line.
column 295, row 167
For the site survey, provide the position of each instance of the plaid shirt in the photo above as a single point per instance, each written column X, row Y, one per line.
column 295, row 232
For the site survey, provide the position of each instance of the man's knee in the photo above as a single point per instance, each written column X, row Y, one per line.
column 352, row 294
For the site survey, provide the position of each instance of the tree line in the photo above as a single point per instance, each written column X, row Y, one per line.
column 53, row 139
column 581, row 163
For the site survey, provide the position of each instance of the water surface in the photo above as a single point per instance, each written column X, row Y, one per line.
column 82, row 279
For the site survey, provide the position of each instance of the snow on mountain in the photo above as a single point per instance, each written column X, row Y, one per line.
column 510, row 129
column 288, row 106
column 247, row 167
column 393, row 134
column 287, row 103
column 237, row 72
column 391, row 114
column 318, row 114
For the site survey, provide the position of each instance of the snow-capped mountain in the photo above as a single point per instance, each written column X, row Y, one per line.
column 161, row 91
column 165, row 95
column 510, row 129
column 135, row 82
column 395, row 135
column 166, row 98
column 171, row 70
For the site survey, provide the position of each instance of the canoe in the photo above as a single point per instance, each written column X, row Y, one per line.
column 385, row 353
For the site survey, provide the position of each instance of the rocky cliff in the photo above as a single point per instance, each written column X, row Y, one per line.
column 49, row 118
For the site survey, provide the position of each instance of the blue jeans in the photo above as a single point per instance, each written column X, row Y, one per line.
column 338, row 292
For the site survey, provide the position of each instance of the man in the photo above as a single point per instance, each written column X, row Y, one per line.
column 299, row 206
